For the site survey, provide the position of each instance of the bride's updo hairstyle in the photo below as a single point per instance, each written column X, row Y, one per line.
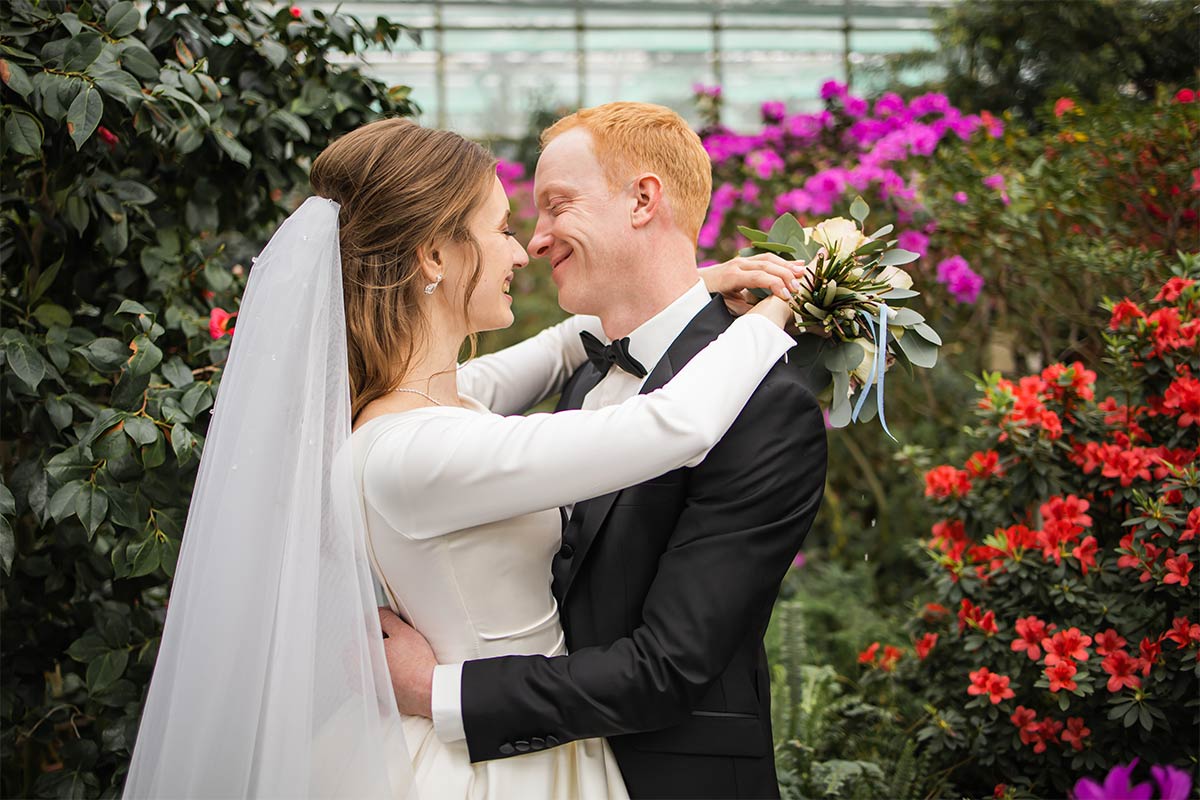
column 401, row 187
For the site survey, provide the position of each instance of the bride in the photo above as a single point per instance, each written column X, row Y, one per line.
column 271, row 679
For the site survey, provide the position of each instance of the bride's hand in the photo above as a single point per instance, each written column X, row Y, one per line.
column 763, row 271
column 776, row 310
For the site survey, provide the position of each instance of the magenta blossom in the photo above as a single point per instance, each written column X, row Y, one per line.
column 773, row 111
column 963, row 283
column 855, row 106
column 765, row 163
column 932, row 103
column 1116, row 786
column 832, row 89
column 1173, row 783
column 706, row 91
column 997, row 182
column 913, row 241
column 960, row 198
column 889, row 103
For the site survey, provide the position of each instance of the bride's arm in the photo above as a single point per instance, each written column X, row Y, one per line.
column 433, row 473
column 517, row 378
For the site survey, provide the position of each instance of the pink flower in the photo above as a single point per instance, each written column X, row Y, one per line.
column 218, row 323
column 773, row 111
column 832, row 89
column 913, row 241
column 295, row 12
column 765, row 163
column 960, row 198
column 963, row 282
column 1063, row 105
column 855, row 106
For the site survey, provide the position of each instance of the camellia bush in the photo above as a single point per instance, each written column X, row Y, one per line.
column 1064, row 636
column 148, row 149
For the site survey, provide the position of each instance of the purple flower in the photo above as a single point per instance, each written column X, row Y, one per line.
column 706, row 91
column 960, row 198
column 765, row 163
column 723, row 199
column 803, row 126
column 799, row 560
column 889, row 103
column 510, row 173
column 797, row 201
column 994, row 182
column 963, row 283
column 922, row 139
column 932, row 103
column 832, row 89
column 855, row 106
column 913, row 241
column 773, row 111
column 750, row 192
column 1173, row 783
column 1116, row 786
column 709, row 232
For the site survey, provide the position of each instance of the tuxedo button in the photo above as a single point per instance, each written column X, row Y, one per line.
column 522, row 746
column 566, row 551
column 537, row 743
column 551, row 741
column 507, row 749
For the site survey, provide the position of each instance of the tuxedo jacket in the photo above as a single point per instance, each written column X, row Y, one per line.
column 665, row 590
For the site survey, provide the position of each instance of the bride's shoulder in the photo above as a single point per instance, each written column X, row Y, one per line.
column 398, row 412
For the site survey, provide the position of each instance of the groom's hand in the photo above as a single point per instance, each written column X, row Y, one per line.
column 410, row 662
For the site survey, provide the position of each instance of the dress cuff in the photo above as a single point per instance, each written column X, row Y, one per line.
column 446, row 701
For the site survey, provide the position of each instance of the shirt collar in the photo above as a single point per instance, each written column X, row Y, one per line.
column 650, row 340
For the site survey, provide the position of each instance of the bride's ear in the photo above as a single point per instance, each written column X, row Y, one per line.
column 431, row 258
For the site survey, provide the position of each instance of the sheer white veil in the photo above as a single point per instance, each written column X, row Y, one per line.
column 271, row 679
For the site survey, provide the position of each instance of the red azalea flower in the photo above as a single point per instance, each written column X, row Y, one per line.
column 1068, row 645
column 218, row 323
column 1182, row 633
column 1063, row 105
column 1182, row 400
column 999, row 790
column 934, row 612
column 1077, row 378
column 1192, row 527
column 984, row 681
column 1076, row 732
column 1178, row 569
column 1185, row 96
column 974, row 616
column 947, row 532
column 108, row 137
column 1085, row 553
column 946, row 481
column 1149, row 651
column 984, row 464
column 868, row 656
column 1031, row 631
column 1121, row 667
column 1172, row 289
column 924, row 645
column 1067, row 509
column 1109, row 641
column 1061, row 675
column 1048, row 732
column 295, row 12
column 1122, row 311
column 890, row 656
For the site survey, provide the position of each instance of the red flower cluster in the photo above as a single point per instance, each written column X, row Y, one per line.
column 972, row 615
column 1030, row 633
column 1047, row 731
column 924, row 645
column 984, row 681
column 985, row 464
column 887, row 661
column 1064, row 383
column 1182, row 400
column 946, row 481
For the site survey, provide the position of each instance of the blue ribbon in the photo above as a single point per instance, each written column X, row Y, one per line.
column 878, row 369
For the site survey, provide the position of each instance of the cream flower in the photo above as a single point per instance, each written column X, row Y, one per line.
column 839, row 234
column 896, row 278
column 867, row 367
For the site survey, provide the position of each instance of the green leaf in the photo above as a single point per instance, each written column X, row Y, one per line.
column 82, row 50
column 778, row 248
column 134, row 56
column 132, row 307
column 196, row 399
column 844, row 357
column 894, row 258
column 23, row 132
column 753, row 234
column 273, row 51
column 87, row 648
column 91, row 506
column 15, row 78
column 147, row 557
column 188, row 138
column 78, row 213
column 62, row 503
column 859, row 209
column 122, row 19
column 884, row 231
column 840, row 409
column 71, row 464
column 146, row 356
column 232, row 147
column 906, row 317
column 8, row 503
column 292, row 122
column 155, row 454
column 784, row 228
column 920, row 352
column 899, row 294
column 182, row 442
column 104, row 671
column 84, row 115
column 8, row 545
column 25, row 361
column 105, row 354
column 133, row 193
column 60, row 412
column 927, row 333
column 141, row 430
column 177, row 373
column 119, row 84
column 51, row 315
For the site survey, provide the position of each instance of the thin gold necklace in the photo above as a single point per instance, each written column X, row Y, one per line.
column 418, row 391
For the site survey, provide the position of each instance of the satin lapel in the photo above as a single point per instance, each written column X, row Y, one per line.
column 703, row 328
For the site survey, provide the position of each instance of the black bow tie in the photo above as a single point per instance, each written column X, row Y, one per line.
column 603, row 356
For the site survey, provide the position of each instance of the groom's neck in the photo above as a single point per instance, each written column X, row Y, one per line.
column 648, row 287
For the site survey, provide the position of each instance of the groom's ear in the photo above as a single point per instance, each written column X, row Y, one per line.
column 648, row 196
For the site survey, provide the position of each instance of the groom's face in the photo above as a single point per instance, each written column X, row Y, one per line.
column 583, row 226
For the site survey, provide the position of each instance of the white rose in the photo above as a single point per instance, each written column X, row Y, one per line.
column 896, row 278
column 867, row 367
column 839, row 235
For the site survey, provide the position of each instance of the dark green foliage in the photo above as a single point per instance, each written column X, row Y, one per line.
column 147, row 152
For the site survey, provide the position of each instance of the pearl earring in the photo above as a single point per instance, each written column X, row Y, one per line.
column 430, row 287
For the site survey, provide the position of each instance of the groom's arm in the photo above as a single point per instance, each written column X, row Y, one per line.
column 750, row 504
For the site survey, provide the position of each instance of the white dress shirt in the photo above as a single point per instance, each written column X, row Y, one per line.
column 647, row 344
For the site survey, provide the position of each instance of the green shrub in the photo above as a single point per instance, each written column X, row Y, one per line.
column 148, row 150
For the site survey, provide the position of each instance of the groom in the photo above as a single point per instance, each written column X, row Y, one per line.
column 664, row 588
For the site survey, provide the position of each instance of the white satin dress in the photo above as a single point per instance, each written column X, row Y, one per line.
column 463, row 519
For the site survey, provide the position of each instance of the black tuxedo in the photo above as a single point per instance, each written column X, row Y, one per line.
column 665, row 590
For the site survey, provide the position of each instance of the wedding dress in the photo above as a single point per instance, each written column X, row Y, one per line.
column 463, row 520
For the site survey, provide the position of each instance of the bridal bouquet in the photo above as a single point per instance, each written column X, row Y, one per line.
column 853, row 298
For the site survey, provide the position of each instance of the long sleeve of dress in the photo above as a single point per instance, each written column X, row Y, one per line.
column 517, row 378
column 438, row 470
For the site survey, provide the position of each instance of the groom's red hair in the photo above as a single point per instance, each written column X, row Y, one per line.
column 642, row 137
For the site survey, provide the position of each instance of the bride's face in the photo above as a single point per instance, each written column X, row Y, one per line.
column 490, row 305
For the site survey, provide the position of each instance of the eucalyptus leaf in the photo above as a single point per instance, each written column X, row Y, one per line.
column 894, row 258
column 918, row 351
column 905, row 317
column 843, row 357
column 859, row 209
column 900, row 294
column 753, row 234
column 927, row 333
column 840, row 408
column 785, row 228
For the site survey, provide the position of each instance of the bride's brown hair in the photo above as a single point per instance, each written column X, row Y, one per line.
column 401, row 188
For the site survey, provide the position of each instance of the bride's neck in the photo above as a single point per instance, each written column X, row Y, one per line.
column 433, row 368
